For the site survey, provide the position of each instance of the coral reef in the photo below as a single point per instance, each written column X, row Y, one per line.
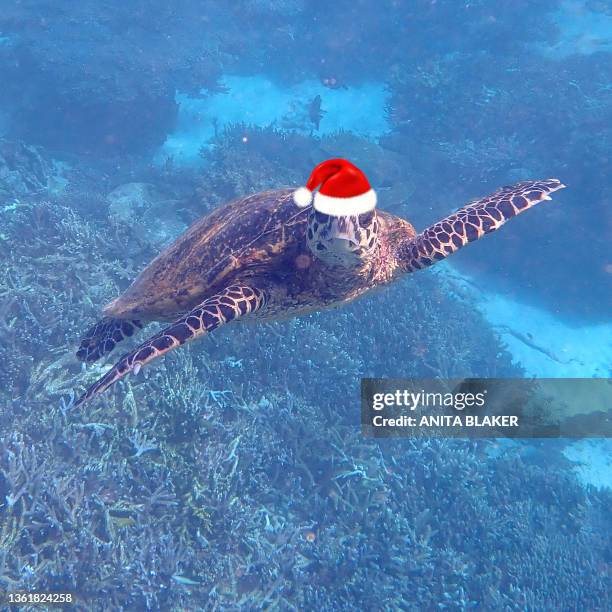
column 232, row 474
column 205, row 520
column 457, row 120
column 246, row 159
column 113, row 94
column 26, row 171
column 116, row 92
column 141, row 201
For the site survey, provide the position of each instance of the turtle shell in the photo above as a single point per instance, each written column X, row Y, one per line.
column 247, row 237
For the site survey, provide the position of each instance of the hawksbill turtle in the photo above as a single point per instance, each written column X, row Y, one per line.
column 283, row 253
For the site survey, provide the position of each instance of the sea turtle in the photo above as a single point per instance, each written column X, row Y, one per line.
column 284, row 253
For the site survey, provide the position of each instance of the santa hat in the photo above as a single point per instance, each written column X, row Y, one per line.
column 343, row 190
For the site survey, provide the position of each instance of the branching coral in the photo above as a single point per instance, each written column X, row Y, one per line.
column 247, row 159
column 233, row 475
column 25, row 171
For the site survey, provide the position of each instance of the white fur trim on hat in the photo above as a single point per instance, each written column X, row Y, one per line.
column 343, row 207
column 302, row 197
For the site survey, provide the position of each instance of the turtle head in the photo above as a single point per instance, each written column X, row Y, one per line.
column 347, row 241
column 342, row 224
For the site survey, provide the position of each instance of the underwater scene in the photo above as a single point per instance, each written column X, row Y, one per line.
column 303, row 170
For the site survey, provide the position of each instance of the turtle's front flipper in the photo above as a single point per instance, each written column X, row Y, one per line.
column 233, row 302
column 471, row 222
column 102, row 338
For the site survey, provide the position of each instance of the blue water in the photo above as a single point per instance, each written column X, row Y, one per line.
column 232, row 473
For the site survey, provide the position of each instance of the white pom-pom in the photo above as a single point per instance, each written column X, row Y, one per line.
column 302, row 197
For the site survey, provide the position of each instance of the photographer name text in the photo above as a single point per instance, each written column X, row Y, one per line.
column 440, row 420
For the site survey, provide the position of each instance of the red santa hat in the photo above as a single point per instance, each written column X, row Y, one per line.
column 343, row 190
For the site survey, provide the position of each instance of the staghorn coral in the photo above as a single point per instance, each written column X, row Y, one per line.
column 24, row 171
column 246, row 159
column 133, row 201
column 393, row 513
column 258, row 449
column 57, row 271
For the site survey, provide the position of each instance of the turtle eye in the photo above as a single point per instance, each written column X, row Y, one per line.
column 366, row 218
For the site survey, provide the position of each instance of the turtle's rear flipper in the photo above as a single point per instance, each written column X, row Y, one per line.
column 233, row 302
column 472, row 222
column 102, row 338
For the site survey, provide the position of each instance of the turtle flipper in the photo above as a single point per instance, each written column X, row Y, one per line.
column 471, row 222
column 233, row 302
column 102, row 338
